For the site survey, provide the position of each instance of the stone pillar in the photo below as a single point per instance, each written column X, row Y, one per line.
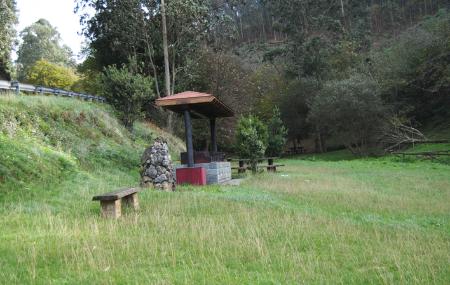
column 156, row 167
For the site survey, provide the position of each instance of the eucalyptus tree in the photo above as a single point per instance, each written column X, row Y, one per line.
column 120, row 29
column 8, row 19
column 41, row 41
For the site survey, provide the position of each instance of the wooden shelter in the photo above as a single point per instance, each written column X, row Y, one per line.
column 196, row 105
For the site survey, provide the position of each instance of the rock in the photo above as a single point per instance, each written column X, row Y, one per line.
column 156, row 167
column 160, row 179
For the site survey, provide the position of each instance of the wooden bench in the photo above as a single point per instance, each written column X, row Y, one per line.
column 111, row 203
column 243, row 164
column 271, row 167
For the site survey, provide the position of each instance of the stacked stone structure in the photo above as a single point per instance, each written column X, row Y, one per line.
column 156, row 167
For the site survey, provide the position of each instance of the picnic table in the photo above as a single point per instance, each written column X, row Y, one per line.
column 243, row 164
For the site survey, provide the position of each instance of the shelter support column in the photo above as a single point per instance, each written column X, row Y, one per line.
column 189, row 144
column 212, row 123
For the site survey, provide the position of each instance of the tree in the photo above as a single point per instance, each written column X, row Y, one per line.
column 277, row 134
column 49, row 74
column 165, row 48
column 127, row 91
column 163, row 35
column 413, row 69
column 8, row 19
column 41, row 41
column 224, row 76
column 251, row 139
column 294, row 108
column 352, row 111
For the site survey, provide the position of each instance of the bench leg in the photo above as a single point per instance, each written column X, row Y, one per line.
column 131, row 201
column 271, row 169
column 111, row 209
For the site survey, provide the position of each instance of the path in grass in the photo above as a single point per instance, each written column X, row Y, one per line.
column 358, row 221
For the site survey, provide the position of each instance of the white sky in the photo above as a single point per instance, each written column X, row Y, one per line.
column 60, row 15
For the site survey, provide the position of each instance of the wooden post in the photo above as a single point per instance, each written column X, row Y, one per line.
column 212, row 123
column 111, row 209
column 189, row 144
column 131, row 201
column 241, row 166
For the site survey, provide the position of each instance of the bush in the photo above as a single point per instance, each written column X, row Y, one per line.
column 277, row 134
column 352, row 111
column 251, row 139
column 127, row 91
column 49, row 74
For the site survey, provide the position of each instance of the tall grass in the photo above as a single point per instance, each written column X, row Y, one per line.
column 334, row 222
column 46, row 138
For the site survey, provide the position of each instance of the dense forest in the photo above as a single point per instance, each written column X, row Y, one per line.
column 365, row 75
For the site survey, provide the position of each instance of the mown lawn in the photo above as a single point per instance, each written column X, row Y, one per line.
column 317, row 221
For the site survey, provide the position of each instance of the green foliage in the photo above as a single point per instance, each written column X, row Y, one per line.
column 294, row 107
column 41, row 41
column 8, row 19
column 127, row 91
column 277, row 134
column 414, row 69
column 224, row 76
column 251, row 139
column 352, row 111
column 268, row 87
column 48, row 74
column 132, row 28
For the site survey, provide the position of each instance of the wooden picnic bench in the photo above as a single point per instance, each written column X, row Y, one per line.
column 271, row 167
column 111, row 203
column 243, row 167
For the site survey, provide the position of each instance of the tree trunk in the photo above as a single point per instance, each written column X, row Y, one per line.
column 166, row 48
column 155, row 73
column 166, row 62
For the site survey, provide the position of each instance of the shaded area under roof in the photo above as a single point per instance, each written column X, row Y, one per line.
column 200, row 105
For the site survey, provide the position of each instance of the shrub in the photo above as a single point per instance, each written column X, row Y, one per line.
column 127, row 91
column 49, row 74
column 352, row 111
column 251, row 139
column 277, row 134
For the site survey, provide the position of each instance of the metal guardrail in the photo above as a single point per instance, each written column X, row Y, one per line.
column 18, row 87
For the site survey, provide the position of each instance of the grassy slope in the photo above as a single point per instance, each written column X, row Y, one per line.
column 327, row 219
column 45, row 141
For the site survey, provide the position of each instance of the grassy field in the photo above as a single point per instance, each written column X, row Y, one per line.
column 324, row 219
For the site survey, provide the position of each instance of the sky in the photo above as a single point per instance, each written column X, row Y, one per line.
column 59, row 13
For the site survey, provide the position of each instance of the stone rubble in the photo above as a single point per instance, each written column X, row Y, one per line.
column 156, row 167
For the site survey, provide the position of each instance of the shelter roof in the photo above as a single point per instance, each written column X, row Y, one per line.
column 201, row 105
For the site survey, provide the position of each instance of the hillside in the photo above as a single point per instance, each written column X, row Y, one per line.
column 45, row 141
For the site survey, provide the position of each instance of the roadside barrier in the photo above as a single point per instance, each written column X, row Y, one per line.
column 18, row 87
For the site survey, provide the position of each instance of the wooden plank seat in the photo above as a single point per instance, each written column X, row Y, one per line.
column 111, row 203
column 270, row 167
